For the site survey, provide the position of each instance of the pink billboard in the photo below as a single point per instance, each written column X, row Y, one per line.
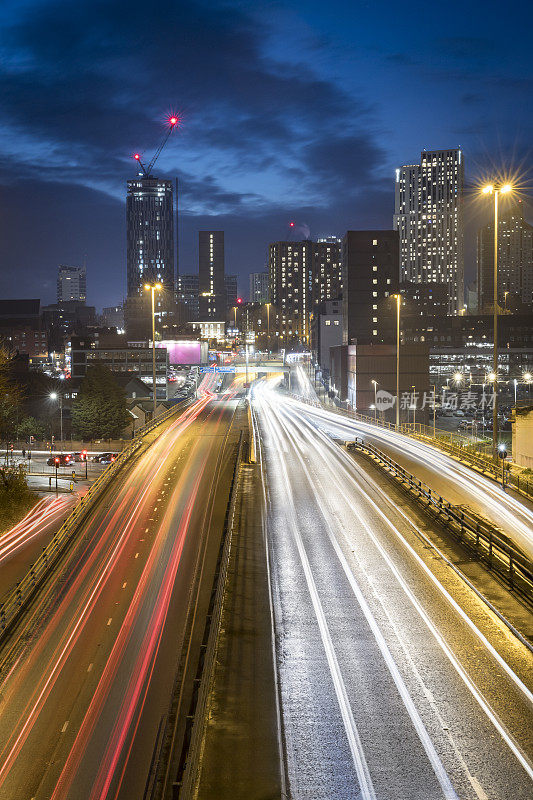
column 182, row 351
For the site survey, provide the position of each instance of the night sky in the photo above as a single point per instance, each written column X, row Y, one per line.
column 291, row 111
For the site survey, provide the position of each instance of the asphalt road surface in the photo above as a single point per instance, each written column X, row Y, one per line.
column 86, row 684
column 396, row 681
column 456, row 482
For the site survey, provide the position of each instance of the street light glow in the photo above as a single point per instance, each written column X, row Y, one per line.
column 458, row 377
column 527, row 376
column 506, row 189
column 53, row 395
column 491, row 376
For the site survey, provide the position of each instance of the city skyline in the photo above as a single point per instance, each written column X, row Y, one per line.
column 332, row 172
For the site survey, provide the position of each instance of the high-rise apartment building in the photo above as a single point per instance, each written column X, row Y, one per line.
column 515, row 259
column 370, row 262
column 150, row 234
column 259, row 288
column 71, row 284
column 212, row 292
column 302, row 275
column 429, row 219
column 327, row 270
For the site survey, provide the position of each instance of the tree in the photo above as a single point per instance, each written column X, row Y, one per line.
column 10, row 397
column 99, row 411
column 30, row 426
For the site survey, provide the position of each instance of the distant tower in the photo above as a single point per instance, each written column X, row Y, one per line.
column 71, row 284
column 429, row 219
column 150, row 234
column 212, row 292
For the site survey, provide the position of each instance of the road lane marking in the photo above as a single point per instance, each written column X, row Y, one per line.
column 367, row 791
column 109, row 621
column 136, row 555
column 124, row 584
column 65, row 726
column 482, row 702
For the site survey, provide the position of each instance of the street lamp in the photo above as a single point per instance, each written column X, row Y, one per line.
column 398, row 304
column 527, row 378
column 153, row 288
column 268, row 326
column 56, row 396
column 495, row 191
column 375, row 397
column 505, row 301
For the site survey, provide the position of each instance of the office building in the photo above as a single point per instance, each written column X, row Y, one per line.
column 369, row 277
column 429, row 220
column 232, row 292
column 301, row 276
column 71, row 284
column 212, row 292
column 326, row 332
column 187, row 290
column 515, row 259
column 259, row 287
column 113, row 317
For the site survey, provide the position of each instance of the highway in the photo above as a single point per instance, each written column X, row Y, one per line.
column 458, row 483
column 22, row 544
column 85, row 684
column 395, row 679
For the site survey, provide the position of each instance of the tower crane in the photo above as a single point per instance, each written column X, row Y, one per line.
column 146, row 171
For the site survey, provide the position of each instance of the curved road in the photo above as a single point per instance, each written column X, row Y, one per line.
column 87, row 683
column 396, row 681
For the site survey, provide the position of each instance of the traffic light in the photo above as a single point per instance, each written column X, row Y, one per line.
column 84, row 455
column 56, row 461
column 32, row 439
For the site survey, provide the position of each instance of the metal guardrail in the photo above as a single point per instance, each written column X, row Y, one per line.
column 488, row 543
column 424, row 433
column 184, row 786
column 25, row 588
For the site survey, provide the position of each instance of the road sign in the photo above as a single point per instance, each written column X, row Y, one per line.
column 206, row 370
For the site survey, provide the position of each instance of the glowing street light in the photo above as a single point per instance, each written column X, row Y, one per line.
column 458, row 378
column 153, row 288
column 495, row 191
column 57, row 396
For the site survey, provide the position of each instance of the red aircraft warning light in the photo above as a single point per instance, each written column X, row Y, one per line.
column 291, row 224
column 137, row 157
column 239, row 299
column 173, row 120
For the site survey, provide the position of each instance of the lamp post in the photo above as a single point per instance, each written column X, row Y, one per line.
column 505, row 301
column 495, row 191
column 413, row 404
column 375, row 397
column 59, row 396
column 515, row 385
column 434, row 409
column 268, row 326
column 153, row 288
column 398, row 304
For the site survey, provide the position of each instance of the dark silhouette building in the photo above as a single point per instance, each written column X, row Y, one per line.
column 370, row 270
